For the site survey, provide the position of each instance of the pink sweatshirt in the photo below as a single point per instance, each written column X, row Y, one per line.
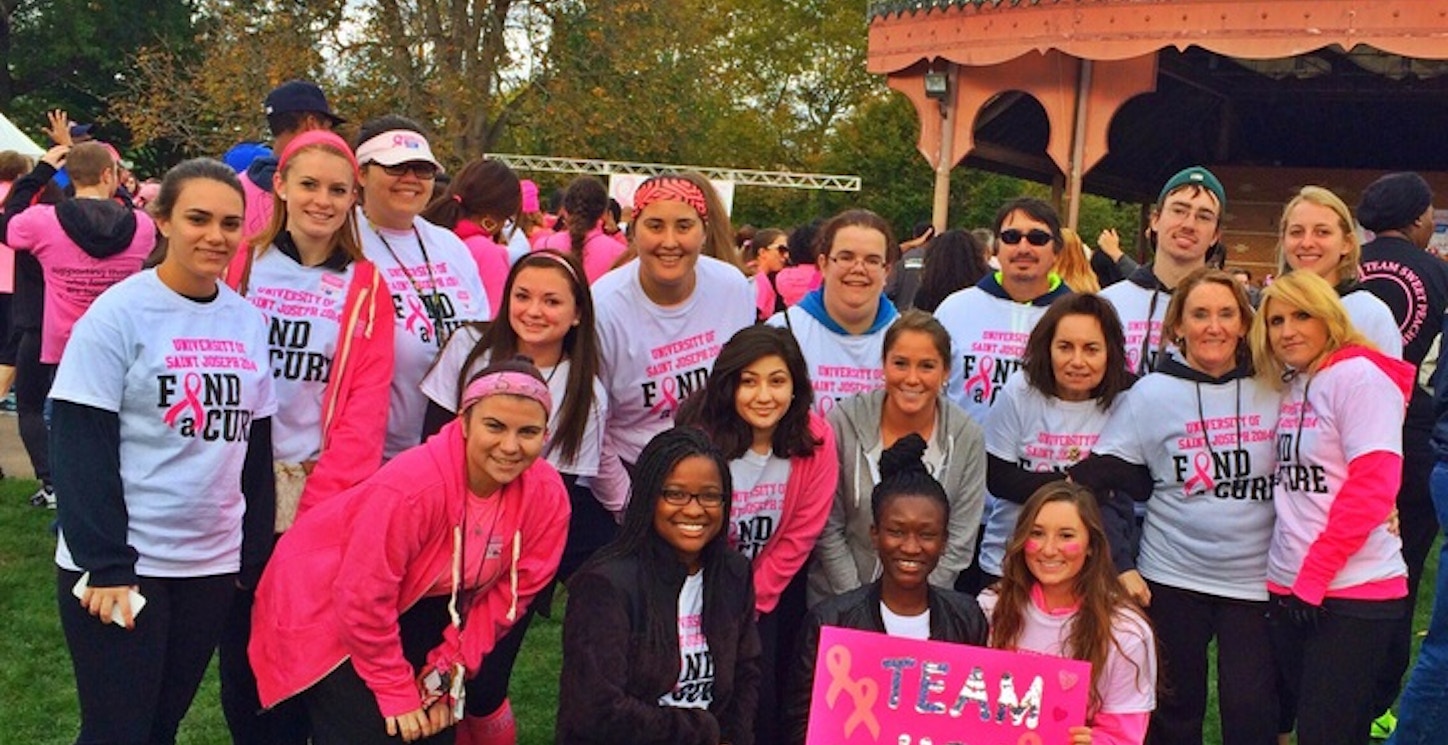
column 491, row 257
column 75, row 276
column 794, row 282
column 600, row 251
column 342, row 576
column 808, row 497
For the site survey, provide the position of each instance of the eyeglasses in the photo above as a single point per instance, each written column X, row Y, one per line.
column 872, row 262
column 679, row 497
column 419, row 168
column 1035, row 237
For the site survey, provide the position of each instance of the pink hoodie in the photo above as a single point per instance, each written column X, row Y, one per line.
column 492, row 260
column 600, row 251
column 808, row 496
column 342, row 576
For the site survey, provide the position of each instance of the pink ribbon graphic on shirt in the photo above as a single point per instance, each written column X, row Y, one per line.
column 192, row 401
column 824, row 405
column 670, row 401
column 418, row 315
column 1201, row 481
column 981, row 379
column 862, row 692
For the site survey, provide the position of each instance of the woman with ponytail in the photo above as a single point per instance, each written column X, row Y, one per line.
column 911, row 521
column 479, row 201
column 583, row 206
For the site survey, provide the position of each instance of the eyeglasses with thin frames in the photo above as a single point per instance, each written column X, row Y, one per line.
column 872, row 262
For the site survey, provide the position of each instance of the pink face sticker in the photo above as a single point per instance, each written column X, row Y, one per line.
column 1070, row 549
column 1033, row 545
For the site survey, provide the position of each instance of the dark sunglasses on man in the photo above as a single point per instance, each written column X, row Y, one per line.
column 1035, row 237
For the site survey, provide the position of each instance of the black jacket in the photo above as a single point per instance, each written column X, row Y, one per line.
column 612, row 677
column 954, row 617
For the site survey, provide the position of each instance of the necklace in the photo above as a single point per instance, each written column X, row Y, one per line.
column 429, row 302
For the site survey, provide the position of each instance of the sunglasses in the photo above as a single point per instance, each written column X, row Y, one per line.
column 421, row 169
column 1035, row 237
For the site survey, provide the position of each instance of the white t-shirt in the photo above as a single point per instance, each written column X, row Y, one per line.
column 906, row 627
column 1353, row 409
column 186, row 379
column 759, row 483
column 303, row 309
column 840, row 365
column 452, row 294
column 1209, row 519
column 1039, row 433
column 441, row 387
column 1375, row 320
column 695, row 689
column 987, row 338
column 652, row 357
column 1140, row 321
column 1128, row 686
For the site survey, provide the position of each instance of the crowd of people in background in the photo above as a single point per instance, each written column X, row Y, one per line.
column 351, row 415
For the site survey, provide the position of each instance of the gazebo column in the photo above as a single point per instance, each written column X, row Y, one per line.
column 1078, row 110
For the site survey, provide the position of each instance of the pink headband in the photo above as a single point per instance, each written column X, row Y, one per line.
column 319, row 137
column 550, row 254
column 510, row 383
column 672, row 189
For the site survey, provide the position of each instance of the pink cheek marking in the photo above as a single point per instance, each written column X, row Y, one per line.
column 1033, row 545
column 1072, row 549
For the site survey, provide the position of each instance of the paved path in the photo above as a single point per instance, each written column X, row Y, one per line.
column 12, row 451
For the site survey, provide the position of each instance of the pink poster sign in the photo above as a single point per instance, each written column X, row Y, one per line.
column 879, row 689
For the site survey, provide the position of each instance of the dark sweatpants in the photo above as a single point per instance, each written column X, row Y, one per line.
column 135, row 686
column 32, row 385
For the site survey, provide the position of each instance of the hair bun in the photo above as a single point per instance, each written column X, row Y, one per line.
column 905, row 456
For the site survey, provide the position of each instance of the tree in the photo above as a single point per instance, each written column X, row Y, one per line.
column 73, row 54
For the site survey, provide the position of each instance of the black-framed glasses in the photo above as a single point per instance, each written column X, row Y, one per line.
column 1034, row 236
column 419, row 168
column 680, row 497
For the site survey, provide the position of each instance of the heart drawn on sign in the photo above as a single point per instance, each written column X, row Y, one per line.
column 1067, row 679
column 1058, row 713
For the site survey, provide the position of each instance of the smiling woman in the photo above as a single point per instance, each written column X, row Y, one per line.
column 380, row 601
column 659, row 642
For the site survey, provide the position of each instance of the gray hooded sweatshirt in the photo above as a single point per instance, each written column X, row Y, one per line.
column 844, row 557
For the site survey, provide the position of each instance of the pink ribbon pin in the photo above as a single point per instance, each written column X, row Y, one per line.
column 191, row 400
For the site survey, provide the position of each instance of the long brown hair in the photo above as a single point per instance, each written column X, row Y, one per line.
column 1100, row 592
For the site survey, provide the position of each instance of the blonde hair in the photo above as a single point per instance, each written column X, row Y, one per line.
column 1073, row 265
column 1312, row 294
column 1348, row 267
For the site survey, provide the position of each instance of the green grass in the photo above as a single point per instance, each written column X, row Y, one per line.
column 38, row 688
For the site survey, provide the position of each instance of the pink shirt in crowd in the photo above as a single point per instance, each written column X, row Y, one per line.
column 73, row 278
column 600, row 250
column 492, row 259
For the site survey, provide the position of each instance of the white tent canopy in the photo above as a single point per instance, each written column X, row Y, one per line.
column 11, row 138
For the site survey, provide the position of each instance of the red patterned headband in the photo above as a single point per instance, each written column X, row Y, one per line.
column 674, row 189
column 510, row 383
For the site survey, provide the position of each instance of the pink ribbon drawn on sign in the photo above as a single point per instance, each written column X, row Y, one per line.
column 418, row 315
column 670, row 401
column 1201, row 480
column 191, row 400
column 863, row 692
column 981, row 379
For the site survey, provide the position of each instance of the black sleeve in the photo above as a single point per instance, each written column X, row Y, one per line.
column 1101, row 473
column 1008, row 481
column 1118, row 518
column 85, row 463
column 435, row 419
column 259, row 487
column 800, row 681
column 22, row 193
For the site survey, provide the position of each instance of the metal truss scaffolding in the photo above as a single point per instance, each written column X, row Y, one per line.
column 740, row 176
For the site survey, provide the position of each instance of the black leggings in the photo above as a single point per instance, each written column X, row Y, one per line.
column 32, row 385
column 1185, row 623
column 343, row 710
column 1419, row 528
column 590, row 527
column 283, row 724
column 135, row 686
